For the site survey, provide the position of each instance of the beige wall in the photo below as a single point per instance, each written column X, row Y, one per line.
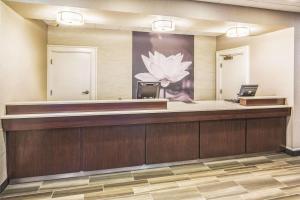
column 271, row 61
column 115, row 60
column 205, row 68
column 271, row 64
column 22, row 64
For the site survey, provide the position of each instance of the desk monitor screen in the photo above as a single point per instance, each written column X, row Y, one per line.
column 148, row 90
column 248, row 90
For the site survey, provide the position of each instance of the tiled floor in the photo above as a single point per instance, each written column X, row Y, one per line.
column 267, row 176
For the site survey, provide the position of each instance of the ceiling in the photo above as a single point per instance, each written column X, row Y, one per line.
column 284, row 5
column 120, row 20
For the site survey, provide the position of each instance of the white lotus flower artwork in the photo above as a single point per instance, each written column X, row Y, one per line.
column 164, row 69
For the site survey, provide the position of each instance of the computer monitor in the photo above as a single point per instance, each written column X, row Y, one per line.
column 248, row 90
column 148, row 90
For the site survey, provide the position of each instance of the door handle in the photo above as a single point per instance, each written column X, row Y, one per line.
column 86, row 92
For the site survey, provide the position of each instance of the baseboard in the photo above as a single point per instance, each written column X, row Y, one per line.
column 292, row 152
column 4, row 185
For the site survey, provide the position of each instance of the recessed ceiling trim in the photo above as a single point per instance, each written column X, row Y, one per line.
column 103, row 19
column 282, row 5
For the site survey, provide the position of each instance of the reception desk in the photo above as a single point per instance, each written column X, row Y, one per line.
column 43, row 143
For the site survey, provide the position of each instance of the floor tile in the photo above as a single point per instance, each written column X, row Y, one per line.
column 223, row 164
column 259, row 182
column 152, row 173
column 128, row 184
column 289, row 179
column 198, row 181
column 166, row 179
column 292, row 197
column 178, row 194
column 295, row 189
column 209, row 173
column 154, row 187
column 64, row 183
column 112, row 178
column 269, row 171
column 294, row 161
column 190, row 168
column 221, row 189
column 226, row 192
column 72, row 197
column 25, row 185
column 274, row 164
column 19, row 191
column 240, row 169
column 255, row 161
column 280, row 156
column 109, row 193
column 234, row 176
column 133, row 197
column 263, row 194
column 35, row 196
column 77, row 190
column 231, row 197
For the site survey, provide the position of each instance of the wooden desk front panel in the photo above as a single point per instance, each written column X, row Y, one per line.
column 172, row 142
column 222, row 138
column 43, row 152
column 267, row 134
column 112, row 147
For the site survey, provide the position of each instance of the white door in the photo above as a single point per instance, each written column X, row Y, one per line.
column 232, row 71
column 71, row 73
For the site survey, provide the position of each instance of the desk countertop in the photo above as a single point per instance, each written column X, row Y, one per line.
column 173, row 107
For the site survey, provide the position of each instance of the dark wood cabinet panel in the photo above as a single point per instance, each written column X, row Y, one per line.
column 172, row 142
column 113, row 147
column 45, row 152
column 222, row 138
column 267, row 134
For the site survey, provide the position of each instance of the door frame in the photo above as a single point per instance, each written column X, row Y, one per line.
column 245, row 50
column 63, row 48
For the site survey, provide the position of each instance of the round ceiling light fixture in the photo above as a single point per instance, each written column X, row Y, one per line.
column 70, row 18
column 237, row 31
column 163, row 25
